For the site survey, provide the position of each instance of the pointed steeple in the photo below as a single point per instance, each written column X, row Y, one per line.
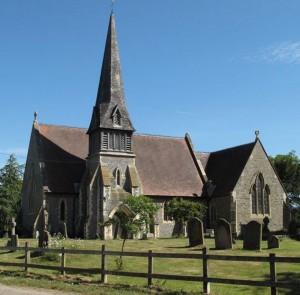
column 110, row 111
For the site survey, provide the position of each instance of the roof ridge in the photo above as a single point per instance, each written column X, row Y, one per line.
column 233, row 148
column 157, row 135
column 62, row 126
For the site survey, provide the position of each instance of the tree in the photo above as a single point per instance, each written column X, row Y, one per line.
column 182, row 211
column 11, row 176
column 141, row 216
column 288, row 169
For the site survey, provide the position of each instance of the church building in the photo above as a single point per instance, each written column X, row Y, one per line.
column 76, row 178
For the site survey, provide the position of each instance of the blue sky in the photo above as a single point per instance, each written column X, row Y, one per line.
column 218, row 70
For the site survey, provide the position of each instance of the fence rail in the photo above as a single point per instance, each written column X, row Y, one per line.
column 206, row 279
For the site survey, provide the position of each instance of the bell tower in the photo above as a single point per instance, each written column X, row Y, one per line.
column 110, row 128
column 110, row 172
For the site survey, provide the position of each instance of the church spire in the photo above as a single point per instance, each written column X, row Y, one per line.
column 110, row 111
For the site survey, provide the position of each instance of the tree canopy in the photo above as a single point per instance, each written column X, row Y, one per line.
column 183, row 211
column 142, row 211
column 11, row 176
column 288, row 169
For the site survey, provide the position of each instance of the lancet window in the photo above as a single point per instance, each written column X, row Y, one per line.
column 260, row 196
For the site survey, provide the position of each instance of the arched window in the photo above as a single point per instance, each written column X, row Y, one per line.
column 118, row 176
column 260, row 196
column 62, row 211
column 267, row 200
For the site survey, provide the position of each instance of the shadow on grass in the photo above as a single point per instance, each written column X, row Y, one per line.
column 80, row 281
column 6, row 252
column 292, row 278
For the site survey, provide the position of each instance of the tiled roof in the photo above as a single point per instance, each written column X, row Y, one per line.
column 164, row 164
column 166, row 167
column 63, row 150
column 225, row 167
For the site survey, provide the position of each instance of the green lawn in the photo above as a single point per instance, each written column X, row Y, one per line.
column 88, row 284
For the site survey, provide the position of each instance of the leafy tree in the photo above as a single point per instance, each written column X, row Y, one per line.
column 11, row 176
column 141, row 216
column 288, row 169
column 182, row 211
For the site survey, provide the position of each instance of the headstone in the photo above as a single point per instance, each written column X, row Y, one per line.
column 14, row 239
column 44, row 239
column 252, row 235
column 13, row 226
column 210, row 232
column 265, row 230
column 147, row 236
column 195, row 232
column 273, row 242
column 223, row 238
column 64, row 230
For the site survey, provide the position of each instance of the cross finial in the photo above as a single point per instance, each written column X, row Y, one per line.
column 257, row 133
column 35, row 116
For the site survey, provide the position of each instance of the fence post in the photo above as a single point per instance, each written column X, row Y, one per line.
column 150, row 267
column 273, row 274
column 63, row 261
column 103, row 266
column 27, row 257
column 206, row 284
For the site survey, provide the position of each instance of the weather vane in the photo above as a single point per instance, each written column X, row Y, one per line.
column 112, row 5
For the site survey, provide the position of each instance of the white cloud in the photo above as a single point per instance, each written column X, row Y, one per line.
column 282, row 52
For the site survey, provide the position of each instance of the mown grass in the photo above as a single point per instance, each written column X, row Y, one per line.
column 88, row 284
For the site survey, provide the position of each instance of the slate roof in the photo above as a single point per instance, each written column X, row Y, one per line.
column 224, row 167
column 164, row 164
column 110, row 91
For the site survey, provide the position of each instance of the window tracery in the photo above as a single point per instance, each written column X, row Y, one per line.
column 260, row 197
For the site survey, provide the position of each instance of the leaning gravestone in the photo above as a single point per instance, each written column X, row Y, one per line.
column 273, row 242
column 223, row 238
column 252, row 235
column 195, row 232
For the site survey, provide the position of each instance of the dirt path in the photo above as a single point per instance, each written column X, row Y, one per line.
column 8, row 290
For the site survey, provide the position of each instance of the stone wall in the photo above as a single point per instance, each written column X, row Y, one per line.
column 53, row 202
column 259, row 163
column 32, row 185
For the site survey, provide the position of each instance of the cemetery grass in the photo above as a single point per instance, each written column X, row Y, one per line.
column 89, row 284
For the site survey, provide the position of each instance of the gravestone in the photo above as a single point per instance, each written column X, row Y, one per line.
column 44, row 239
column 14, row 239
column 273, row 242
column 147, row 236
column 195, row 232
column 265, row 230
column 252, row 235
column 223, row 238
column 64, row 230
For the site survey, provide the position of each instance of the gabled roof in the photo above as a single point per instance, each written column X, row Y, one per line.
column 63, row 151
column 225, row 167
column 164, row 164
column 110, row 91
column 166, row 167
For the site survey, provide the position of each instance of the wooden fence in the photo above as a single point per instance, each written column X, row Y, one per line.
column 206, row 278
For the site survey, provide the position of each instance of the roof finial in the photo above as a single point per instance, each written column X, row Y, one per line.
column 112, row 6
column 35, row 116
column 257, row 133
